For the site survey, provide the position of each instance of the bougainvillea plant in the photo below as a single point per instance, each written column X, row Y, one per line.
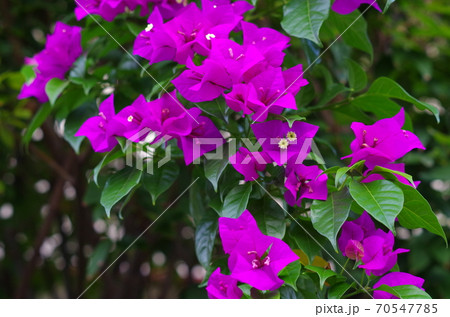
column 195, row 88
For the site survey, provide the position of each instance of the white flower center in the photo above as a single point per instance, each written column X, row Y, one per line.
column 149, row 27
column 291, row 136
column 283, row 144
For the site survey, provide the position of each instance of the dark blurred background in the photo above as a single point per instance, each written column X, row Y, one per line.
column 55, row 238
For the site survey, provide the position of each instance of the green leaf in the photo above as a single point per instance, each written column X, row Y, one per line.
column 387, row 5
column 28, row 73
column 304, row 18
column 108, row 158
column 205, row 235
column 324, row 274
column 37, row 121
column 405, row 291
column 332, row 88
column 270, row 217
column 98, row 257
column 312, row 51
column 134, row 28
column 287, row 292
column 236, row 201
column 417, row 213
column 293, row 118
column 216, row 108
column 381, row 106
column 86, row 83
column 383, row 171
column 291, row 273
column 328, row 216
column 344, row 170
column 386, row 87
column 305, row 238
column 79, row 67
column 338, row 290
column 197, row 201
column 215, row 167
column 54, row 88
column 74, row 121
column 357, row 77
column 118, row 186
column 382, row 199
column 340, row 174
column 352, row 28
column 161, row 179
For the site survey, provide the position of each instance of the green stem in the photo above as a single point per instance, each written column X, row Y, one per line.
column 362, row 278
column 329, row 106
column 345, row 265
column 359, row 291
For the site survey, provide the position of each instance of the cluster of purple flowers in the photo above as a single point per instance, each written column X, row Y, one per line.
column 254, row 258
column 252, row 81
column 109, row 9
column 248, row 75
column 382, row 143
column 62, row 48
column 284, row 145
column 361, row 241
column 165, row 116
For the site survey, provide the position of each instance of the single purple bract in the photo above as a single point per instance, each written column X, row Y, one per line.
column 348, row 6
column 304, row 182
column 221, row 286
column 249, row 163
column 383, row 142
column 396, row 279
column 255, row 258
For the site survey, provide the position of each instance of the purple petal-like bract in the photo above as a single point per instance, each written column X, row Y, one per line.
column 400, row 167
column 109, row 9
column 232, row 230
column 249, row 163
column 255, row 259
column 252, row 263
column 304, row 182
column 396, row 279
column 379, row 256
column 383, row 142
column 62, row 48
column 101, row 130
column 348, row 6
column 221, row 286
